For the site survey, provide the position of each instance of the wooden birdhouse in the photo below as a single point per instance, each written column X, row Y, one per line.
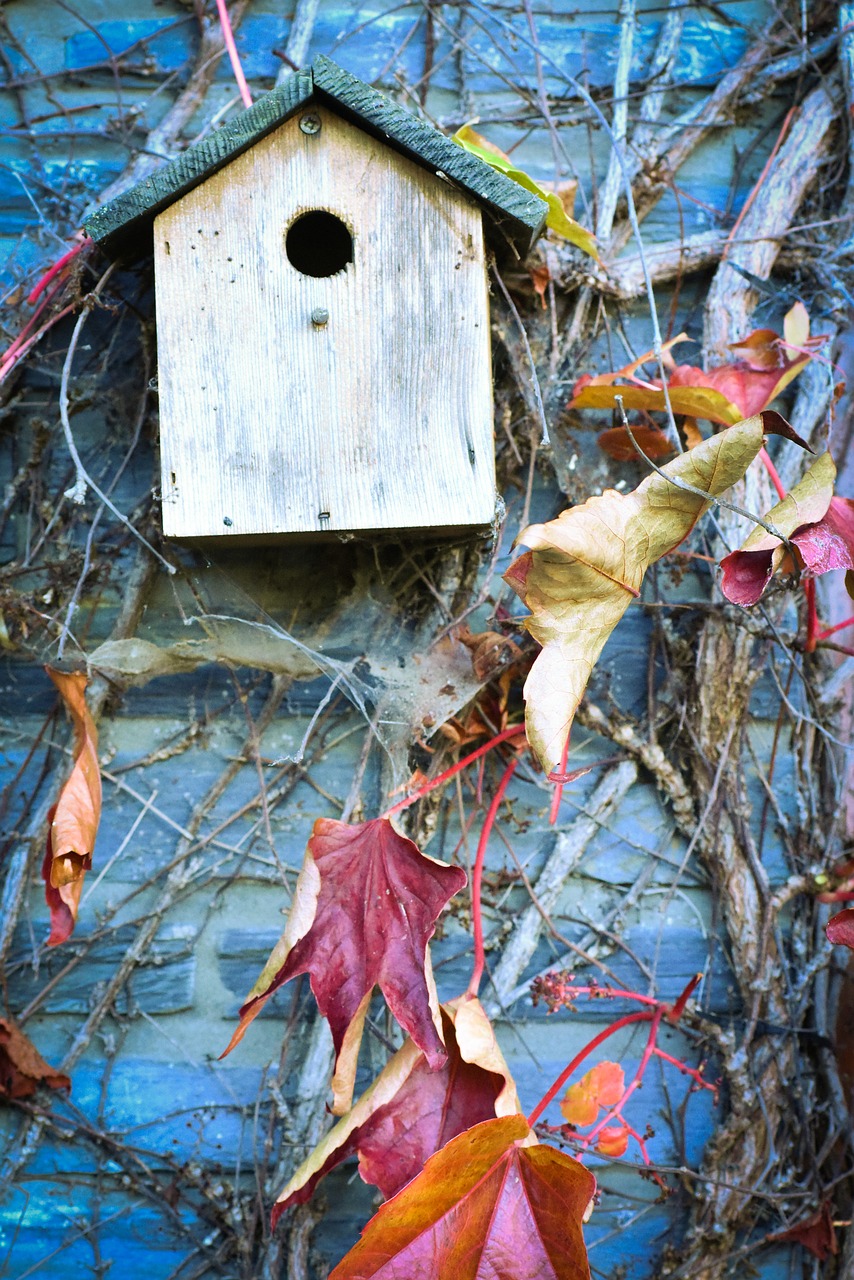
column 322, row 319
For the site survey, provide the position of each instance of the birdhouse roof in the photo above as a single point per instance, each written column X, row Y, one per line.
column 123, row 227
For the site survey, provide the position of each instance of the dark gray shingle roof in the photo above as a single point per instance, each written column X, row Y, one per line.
column 122, row 228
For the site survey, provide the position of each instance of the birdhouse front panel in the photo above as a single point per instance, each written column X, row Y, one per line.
column 323, row 343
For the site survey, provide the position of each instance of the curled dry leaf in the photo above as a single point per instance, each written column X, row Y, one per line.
column 540, row 277
column 490, row 651
column 585, row 567
column 602, row 1086
column 74, row 819
column 365, row 906
column 815, row 1233
column 22, row 1068
column 411, row 1112
column 818, row 525
column 484, row 1206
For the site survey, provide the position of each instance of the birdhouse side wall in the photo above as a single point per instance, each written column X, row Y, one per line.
column 297, row 403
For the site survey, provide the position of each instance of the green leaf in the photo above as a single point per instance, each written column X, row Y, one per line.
column 557, row 218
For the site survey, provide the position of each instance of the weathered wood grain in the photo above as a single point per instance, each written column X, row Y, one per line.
column 378, row 419
column 123, row 227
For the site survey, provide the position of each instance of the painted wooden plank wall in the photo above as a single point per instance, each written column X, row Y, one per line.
column 165, row 745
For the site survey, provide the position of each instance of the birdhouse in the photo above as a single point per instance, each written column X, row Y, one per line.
column 322, row 316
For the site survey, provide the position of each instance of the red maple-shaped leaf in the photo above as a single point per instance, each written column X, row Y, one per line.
column 73, row 820
column 364, row 909
column 840, row 929
column 483, row 1207
column 22, row 1068
column 411, row 1112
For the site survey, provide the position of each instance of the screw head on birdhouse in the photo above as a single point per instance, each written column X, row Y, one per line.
column 322, row 316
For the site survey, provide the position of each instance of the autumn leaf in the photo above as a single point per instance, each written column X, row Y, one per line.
column 484, row 1206
column 410, row 1112
column 73, row 820
column 815, row 1233
column 818, row 525
column 22, row 1068
column 725, row 394
column 365, row 906
column 602, row 1086
column 651, row 440
column 557, row 219
column 696, row 401
column 491, row 651
column 540, row 278
column 840, row 928
column 613, row 1141
column 585, row 567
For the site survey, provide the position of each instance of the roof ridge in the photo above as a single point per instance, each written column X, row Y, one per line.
column 122, row 227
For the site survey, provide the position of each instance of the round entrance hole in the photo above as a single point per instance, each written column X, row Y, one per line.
column 319, row 244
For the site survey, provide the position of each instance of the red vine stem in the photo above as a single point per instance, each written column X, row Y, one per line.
column 234, row 56
column 831, row 631
column 812, row 615
column 8, row 362
column 477, row 879
column 773, row 474
column 654, row 1016
column 694, row 1072
column 514, row 731
column 626, row 1021
column 678, row 1008
column 557, row 794
column 60, row 264
column 616, row 1112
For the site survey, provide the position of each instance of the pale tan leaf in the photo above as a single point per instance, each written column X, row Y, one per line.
column 585, row 567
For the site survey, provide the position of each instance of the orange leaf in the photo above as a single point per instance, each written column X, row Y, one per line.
column 628, row 370
column 691, row 432
column 726, row 394
column 760, row 349
column 652, row 440
column 484, row 1206
column 699, row 402
column 540, row 277
column 613, row 1141
column 22, row 1068
column 602, row 1086
column 75, row 817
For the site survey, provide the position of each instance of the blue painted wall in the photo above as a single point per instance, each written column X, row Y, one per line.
column 133, row 1174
